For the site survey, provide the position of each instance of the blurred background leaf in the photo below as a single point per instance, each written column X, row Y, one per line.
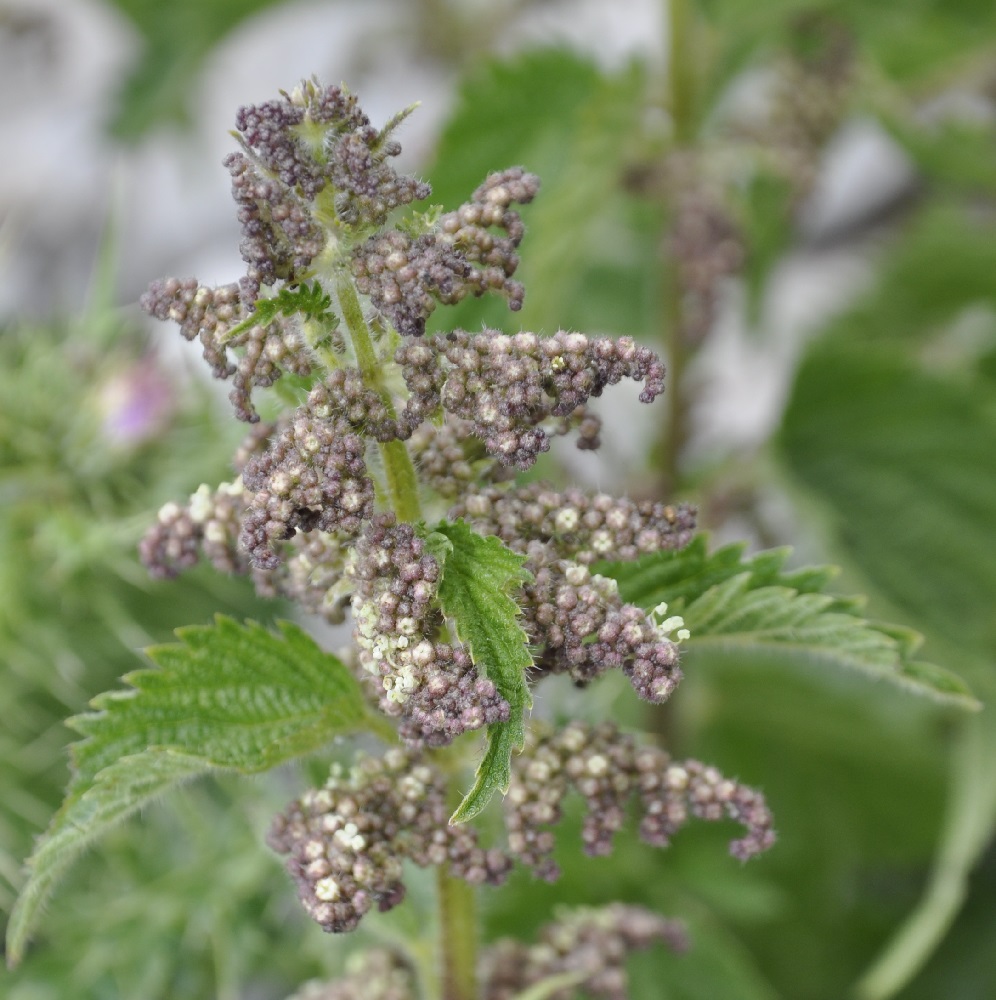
column 176, row 39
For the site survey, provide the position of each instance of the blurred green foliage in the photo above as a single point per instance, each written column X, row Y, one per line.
column 176, row 39
column 95, row 433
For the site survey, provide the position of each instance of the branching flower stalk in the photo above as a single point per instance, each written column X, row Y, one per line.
column 387, row 490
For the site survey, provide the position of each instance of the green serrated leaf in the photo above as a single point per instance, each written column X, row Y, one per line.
column 310, row 301
column 478, row 575
column 120, row 790
column 234, row 694
column 901, row 461
column 682, row 576
column 752, row 608
column 227, row 697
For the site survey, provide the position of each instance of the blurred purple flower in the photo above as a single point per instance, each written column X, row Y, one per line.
column 136, row 403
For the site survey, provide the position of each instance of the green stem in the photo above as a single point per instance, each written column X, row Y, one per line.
column 402, row 482
column 676, row 432
column 681, row 70
column 681, row 101
column 457, row 936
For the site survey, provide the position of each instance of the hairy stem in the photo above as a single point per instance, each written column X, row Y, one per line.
column 402, row 482
column 457, row 936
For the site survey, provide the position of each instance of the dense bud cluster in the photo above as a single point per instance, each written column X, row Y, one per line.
column 407, row 275
column 582, row 525
column 312, row 476
column 347, row 840
column 591, row 944
column 581, row 627
column 318, row 136
column 397, row 624
column 280, row 239
column 608, row 768
column 506, row 386
column 447, row 456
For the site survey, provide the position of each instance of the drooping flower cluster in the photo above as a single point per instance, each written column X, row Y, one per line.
column 609, row 768
column 209, row 315
column 587, row 526
column 407, row 275
column 576, row 619
column 346, row 841
column 506, row 387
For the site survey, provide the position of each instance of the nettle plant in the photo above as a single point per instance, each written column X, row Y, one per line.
column 384, row 490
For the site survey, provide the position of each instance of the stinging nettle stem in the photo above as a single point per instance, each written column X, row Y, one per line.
column 458, row 936
column 402, row 481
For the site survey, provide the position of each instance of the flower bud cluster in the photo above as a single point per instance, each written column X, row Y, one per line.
column 593, row 944
column 280, row 238
column 346, row 841
column 407, row 275
column 376, row 974
column 202, row 313
column 312, row 476
column 581, row 627
column 447, row 456
column 506, row 386
column 208, row 314
column 311, row 567
column 397, row 624
column 577, row 524
column 608, row 768
column 578, row 623
column 316, row 137
column 206, row 527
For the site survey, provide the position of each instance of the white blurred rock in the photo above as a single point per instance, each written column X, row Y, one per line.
column 863, row 174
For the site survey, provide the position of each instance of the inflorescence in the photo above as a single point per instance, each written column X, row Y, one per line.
column 340, row 282
column 587, row 947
